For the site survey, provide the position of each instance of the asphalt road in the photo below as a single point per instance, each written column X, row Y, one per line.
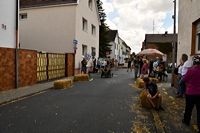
column 101, row 105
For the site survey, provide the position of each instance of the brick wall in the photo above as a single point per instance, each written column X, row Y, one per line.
column 27, row 68
column 7, row 69
column 27, row 73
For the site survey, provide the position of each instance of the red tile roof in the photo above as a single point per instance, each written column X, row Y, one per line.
column 36, row 3
column 112, row 34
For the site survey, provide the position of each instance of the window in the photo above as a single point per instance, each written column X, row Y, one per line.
column 93, row 53
column 23, row 16
column 195, row 47
column 84, row 24
column 198, row 37
column 84, row 50
column 93, row 30
column 90, row 3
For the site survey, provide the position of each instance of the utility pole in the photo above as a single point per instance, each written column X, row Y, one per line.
column 173, row 45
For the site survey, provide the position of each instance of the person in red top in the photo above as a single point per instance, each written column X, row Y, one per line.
column 193, row 91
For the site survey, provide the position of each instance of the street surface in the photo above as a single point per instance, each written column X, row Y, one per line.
column 102, row 105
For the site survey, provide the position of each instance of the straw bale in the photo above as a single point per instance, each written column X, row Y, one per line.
column 124, row 67
column 140, row 83
column 62, row 84
column 144, row 101
column 81, row 77
column 154, row 80
column 119, row 67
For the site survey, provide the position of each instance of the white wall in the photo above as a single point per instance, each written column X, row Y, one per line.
column 8, row 18
column 189, row 11
column 86, row 37
column 50, row 29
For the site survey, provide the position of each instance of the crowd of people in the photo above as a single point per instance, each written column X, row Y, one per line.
column 188, row 79
column 98, row 65
column 144, row 68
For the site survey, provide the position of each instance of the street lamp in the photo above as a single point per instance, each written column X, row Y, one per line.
column 173, row 44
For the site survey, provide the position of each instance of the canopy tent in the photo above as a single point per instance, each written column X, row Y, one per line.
column 150, row 52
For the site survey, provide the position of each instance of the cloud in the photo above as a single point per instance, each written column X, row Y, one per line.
column 137, row 18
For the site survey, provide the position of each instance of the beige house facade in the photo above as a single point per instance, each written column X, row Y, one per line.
column 70, row 26
column 188, row 28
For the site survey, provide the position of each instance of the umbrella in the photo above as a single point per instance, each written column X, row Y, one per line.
column 150, row 52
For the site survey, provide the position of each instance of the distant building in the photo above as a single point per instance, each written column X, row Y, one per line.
column 162, row 42
column 114, row 37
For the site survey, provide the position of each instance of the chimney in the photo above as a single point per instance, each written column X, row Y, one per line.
column 166, row 32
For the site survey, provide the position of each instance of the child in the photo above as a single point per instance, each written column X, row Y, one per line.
column 152, row 93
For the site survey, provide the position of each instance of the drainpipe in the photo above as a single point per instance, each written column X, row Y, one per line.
column 174, row 45
column 16, row 48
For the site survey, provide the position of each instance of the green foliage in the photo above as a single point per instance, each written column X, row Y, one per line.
column 132, row 58
column 169, row 70
column 133, row 53
column 104, row 41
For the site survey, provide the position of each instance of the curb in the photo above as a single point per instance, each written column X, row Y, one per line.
column 24, row 96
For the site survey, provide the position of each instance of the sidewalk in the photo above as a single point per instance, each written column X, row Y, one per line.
column 171, row 118
column 14, row 94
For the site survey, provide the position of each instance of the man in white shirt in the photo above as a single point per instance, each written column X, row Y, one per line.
column 155, row 65
column 103, row 63
column 187, row 64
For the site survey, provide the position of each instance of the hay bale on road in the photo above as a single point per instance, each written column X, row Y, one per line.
column 62, row 84
column 144, row 101
column 154, row 80
column 140, row 83
column 81, row 77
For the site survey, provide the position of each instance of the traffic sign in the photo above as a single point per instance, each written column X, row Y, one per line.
column 107, row 53
column 75, row 41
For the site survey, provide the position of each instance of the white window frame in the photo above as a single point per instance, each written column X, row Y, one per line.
column 84, row 49
column 23, row 16
column 90, row 4
column 93, row 30
column 197, row 45
column 84, row 24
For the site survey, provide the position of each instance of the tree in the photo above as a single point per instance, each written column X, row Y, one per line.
column 133, row 53
column 104, row 45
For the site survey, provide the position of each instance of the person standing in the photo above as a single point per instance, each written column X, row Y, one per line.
column 144, row 69
column 180, row 66
column 136, row 66
column 116, row 64
column 98, row 64
column 193, row 91
column 103, row 64
column 155, row 65
column 83, row 64
column 151, row 66
column 129, row 65
column 187, row 64
column 141, row 63
column 94, row 65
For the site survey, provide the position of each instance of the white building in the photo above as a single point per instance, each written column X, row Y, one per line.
column 114, row 41
column 188, row 28
column 53, row 27
column 8, row 23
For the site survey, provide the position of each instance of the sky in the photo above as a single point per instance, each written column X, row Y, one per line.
column 135, row 18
